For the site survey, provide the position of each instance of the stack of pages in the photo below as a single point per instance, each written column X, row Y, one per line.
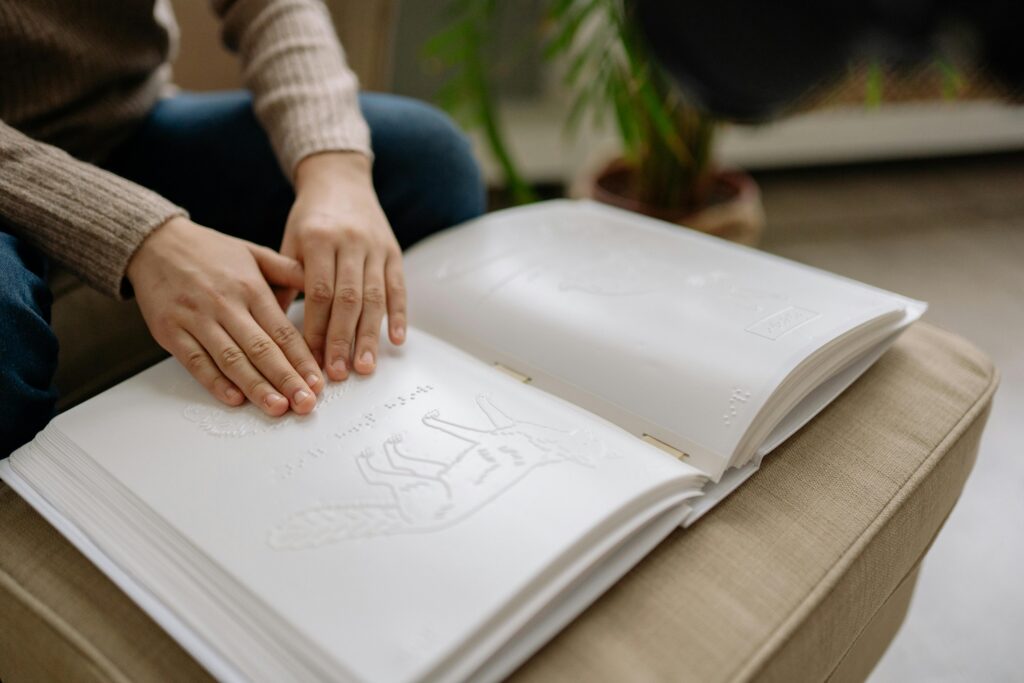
column 580, row 381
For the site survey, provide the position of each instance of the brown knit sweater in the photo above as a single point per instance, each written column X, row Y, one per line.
column 77, row 75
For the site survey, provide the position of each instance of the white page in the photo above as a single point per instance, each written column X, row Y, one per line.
column 657, row 328
column 392, row 524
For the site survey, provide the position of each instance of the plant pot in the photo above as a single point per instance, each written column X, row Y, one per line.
column 733, row 212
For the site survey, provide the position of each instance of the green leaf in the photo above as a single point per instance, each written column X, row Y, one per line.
column 873, row 86
column 570, row 27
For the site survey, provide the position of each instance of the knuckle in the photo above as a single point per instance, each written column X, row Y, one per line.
column 195, row 361
column 284, row 335
column 396, row 289
column 351, row 234
column 374, row 296
column 218, row 300
column 348, row 297
column 319, row 233
column 340, row 345
column 259, row 346
column 231, row 356
column 187, row 301
column 321, row 292
column 249, row 288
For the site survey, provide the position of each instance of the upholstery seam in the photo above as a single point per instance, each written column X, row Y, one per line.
column 69, row 634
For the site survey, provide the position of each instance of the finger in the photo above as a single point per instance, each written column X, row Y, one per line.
column 285, row 297
column 290, row 341
column 277, row 269
column 234, row 363
column 371, row 316
column 319, row 264
column 269, row 360
column 394, row 280
column 197, row 361
column 348, row 302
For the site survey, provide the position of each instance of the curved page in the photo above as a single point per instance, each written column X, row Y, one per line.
column 659, row 329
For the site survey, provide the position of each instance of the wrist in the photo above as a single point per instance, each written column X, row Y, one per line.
column 329, row 169
column 168, row 230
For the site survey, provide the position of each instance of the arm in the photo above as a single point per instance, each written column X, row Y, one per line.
column 199, row 291
column 80, row 215
column 306, row 98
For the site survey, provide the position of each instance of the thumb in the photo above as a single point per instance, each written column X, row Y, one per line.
column 279, row 270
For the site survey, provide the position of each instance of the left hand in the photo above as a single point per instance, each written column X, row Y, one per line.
column 352, row 261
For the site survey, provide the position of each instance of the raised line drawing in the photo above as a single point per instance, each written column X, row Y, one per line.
column 427, row 492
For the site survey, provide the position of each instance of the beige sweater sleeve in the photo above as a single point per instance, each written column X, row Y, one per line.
column 304, row 93
column 88, row 219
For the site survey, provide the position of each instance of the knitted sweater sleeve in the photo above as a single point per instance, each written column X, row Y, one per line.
column 88, row 219
column 304, row 93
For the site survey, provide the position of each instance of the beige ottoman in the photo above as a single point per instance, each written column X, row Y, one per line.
column 805, row 573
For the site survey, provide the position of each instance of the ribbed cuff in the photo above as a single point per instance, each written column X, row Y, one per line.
column 88, row 219
column 304, row 93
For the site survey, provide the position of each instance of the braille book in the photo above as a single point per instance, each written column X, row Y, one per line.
column 578, row 383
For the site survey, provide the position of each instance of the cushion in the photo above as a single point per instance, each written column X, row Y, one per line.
column 802, row 574
column 102, row 341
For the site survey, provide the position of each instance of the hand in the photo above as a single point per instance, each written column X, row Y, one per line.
column 206, row 298
column 352, row 261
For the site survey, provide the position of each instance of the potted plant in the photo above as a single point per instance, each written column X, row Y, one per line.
column 666, row 167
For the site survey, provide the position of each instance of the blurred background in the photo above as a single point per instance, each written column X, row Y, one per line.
column 911, row 179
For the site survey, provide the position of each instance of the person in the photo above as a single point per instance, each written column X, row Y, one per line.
column 213, row 209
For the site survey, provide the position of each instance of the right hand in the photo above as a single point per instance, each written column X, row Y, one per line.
column 207, row 300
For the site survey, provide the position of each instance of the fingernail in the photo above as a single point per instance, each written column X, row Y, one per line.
column 400, row 333
column 272, row 400
column 339, row 366
column 312, row 379
column 301, row 395
column 366, row 358
column 232, row 394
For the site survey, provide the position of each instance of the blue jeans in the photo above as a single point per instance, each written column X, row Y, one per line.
column 207, row 153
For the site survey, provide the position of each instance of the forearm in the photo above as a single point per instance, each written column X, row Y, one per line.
column 82, row 216
column 305, row 95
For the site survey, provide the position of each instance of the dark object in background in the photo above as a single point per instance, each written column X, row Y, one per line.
column 750, row 60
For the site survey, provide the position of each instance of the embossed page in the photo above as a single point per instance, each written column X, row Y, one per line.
column 407, row 517
column 661, row 330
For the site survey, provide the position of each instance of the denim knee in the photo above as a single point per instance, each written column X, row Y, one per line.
column 425, row 173
column 28, row 347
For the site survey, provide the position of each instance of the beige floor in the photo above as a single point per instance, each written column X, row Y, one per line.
column 952, row 233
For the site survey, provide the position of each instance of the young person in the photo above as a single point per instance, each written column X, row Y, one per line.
column 212, row 209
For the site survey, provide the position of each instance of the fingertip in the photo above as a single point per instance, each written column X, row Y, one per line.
column 226, row 392
column 315, row 381
column 366, row 363
column 398, row 334
column 337, row 370
column 303, row 401
column 275, row 405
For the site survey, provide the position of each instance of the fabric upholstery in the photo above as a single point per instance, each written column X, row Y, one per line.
column 778, row 581
column 802, row 573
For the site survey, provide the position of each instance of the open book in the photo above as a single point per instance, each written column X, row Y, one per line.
column 580, row 381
